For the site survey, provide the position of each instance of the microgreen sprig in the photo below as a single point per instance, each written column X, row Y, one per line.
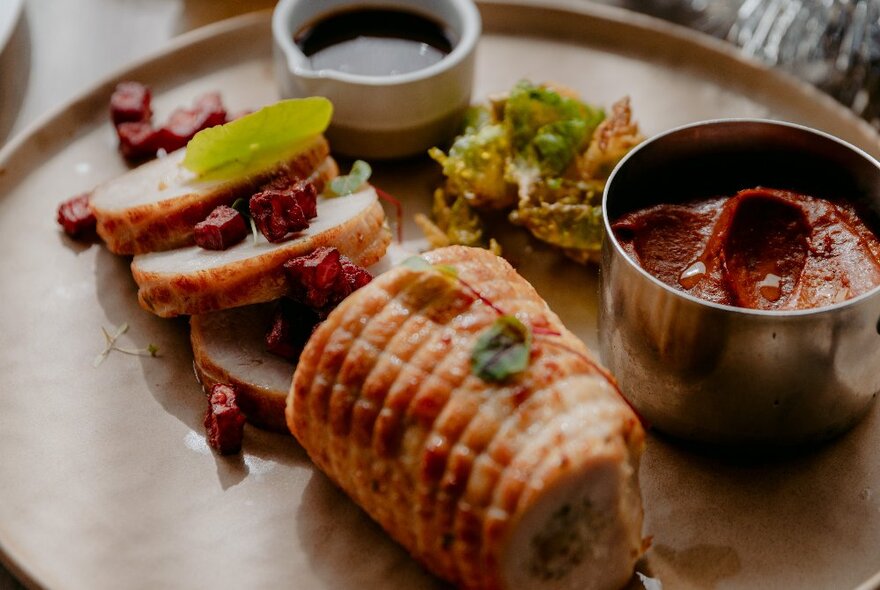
column 507, row 339
column 502, row 350
column 348, row 183
column 243, row 207
column 505, row 347
column 110, row 345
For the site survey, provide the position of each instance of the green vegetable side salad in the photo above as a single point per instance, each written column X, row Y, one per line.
column 541, row 155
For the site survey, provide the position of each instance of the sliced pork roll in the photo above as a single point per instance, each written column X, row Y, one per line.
column 155, row 206
column 192, row 280
column 525, row 483
column 229, row 347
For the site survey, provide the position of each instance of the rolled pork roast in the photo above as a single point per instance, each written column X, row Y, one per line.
column 527, row 481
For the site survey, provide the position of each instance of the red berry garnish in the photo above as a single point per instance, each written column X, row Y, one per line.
column 291, row 327
column 324, row 278
column 183, row 124
column 137, row 140
column 76, row 217
column 278, row 213
column 224, row 422
column 355, row 275
column 223, row 228
column 130, row 102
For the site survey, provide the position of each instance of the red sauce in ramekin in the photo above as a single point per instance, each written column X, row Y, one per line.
column 760, row 248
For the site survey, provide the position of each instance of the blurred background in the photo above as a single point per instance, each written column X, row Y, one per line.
column 60, row 48
column 833, row 44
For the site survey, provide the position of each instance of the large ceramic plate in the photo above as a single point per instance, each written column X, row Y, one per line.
column 105, row 478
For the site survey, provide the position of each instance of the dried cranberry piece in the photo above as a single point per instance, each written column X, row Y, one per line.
column 356, row 276
column 318, row 283
column 184, row 123
column 281, row 180
column 291, row 327
column 223, row 228
column 303, row 191
column 277, row 213
column 137, row 141
column 211, row 109
column 324, row 278
column 316, row 278
column 130, row 102
column 307, row 196
column 169, row 141
column 224, row 422
column 76, row 217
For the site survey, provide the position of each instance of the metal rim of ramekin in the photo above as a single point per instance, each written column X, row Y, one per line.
column 612, row 239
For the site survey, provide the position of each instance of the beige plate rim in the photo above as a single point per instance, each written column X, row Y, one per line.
column 662, row 31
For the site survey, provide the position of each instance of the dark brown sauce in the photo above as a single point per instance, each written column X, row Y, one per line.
column 374, row 42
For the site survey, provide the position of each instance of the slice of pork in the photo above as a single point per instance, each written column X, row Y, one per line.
column 192, row 280
column 229, row 347
column 155, row 206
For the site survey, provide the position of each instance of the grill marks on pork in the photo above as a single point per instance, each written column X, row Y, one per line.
column 390, row 389
column 453, row 467
column 156, row 206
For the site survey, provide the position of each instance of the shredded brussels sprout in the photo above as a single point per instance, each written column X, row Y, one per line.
column 475, row 168
column 540, row 153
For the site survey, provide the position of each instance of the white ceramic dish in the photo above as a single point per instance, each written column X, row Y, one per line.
column 389, row 116
column 107, row 482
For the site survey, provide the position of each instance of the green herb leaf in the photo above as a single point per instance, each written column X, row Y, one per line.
column 419, row 263
column 257, row 139
column 242, row 206
column 502, row 350
column 416, row 263
column 447, row 270
column 345, row 185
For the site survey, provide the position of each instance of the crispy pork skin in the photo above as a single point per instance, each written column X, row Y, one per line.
column 229, row 347
column 192, row 280
column 529, row 483
column 156, row 206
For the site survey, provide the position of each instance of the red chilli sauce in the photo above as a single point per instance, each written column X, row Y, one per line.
column 760, row 248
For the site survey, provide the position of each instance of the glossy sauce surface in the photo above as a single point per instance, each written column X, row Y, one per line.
column 760, row 248
column 374, row 42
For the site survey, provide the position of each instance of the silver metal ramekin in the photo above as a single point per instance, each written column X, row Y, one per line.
column 722, row 374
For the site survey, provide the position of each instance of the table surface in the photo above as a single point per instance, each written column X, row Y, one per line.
column 62, row 48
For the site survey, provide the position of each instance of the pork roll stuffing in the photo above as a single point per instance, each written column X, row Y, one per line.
column 448, row 401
